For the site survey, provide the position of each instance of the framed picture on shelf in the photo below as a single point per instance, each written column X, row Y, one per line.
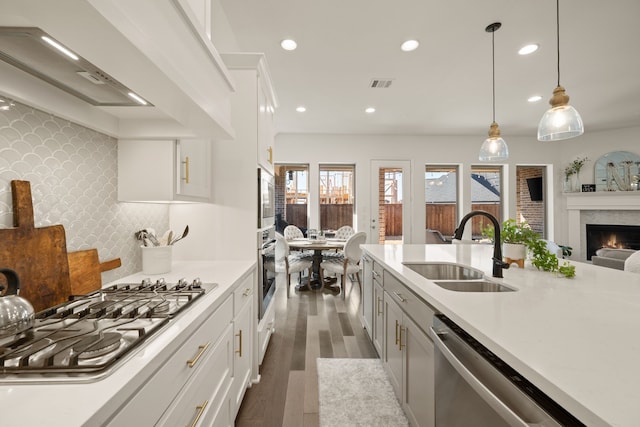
column 588, row 188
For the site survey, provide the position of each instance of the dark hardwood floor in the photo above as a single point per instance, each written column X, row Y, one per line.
column 308, row 325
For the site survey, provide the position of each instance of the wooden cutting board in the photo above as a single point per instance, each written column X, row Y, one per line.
column 85, row 270
column 38, row 255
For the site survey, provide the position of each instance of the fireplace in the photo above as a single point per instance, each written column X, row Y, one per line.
column 611, row 236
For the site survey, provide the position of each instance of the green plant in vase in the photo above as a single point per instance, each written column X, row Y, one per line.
column 515, row 239
column 574, row 168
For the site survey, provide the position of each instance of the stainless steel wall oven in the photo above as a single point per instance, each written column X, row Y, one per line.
column 266, row 269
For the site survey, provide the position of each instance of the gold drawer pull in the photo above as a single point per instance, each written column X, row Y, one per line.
column 246, row 292
column 200, row 409
column 400, row 297
column 186, row 170
column 239, row 350
column 202, row 349
column 397, row 324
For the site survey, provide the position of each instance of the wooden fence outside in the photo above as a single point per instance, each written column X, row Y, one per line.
column 332, row 216
column 440, row 217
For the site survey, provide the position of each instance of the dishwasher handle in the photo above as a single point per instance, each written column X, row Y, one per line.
column 491, row 399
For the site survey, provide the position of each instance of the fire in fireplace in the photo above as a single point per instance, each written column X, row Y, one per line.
column 612, row 236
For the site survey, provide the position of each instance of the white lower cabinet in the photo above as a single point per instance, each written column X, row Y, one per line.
column 367, row 294
column 243, row 342
column 205, row 394
column 408, row 351
column 204, row 380
column 200, row 368
column 378, row 317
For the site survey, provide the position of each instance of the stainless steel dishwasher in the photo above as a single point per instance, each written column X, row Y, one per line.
column 474, row 387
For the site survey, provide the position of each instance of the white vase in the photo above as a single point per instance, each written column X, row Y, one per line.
column 514, row 252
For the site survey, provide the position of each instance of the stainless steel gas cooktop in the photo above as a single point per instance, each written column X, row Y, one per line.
column 91, row 333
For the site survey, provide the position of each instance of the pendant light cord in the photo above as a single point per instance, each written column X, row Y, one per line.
column 493, row 71
column 558, row 36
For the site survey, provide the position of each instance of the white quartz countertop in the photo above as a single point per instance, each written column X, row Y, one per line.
column 92, row 403
column 576, row 339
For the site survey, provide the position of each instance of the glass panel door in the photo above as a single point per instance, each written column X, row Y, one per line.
column 390, row 187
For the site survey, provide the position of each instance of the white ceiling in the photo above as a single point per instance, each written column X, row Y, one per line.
column 444, row 87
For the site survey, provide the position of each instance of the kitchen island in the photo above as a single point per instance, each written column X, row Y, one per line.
column 575, row 339
column 152, row 382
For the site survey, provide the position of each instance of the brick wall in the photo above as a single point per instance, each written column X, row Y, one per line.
column 526, row 209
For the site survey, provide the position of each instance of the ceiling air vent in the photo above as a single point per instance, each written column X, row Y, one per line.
column 380, row 83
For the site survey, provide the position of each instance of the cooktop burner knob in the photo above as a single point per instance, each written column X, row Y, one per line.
column 182, row 283
column 197, row 283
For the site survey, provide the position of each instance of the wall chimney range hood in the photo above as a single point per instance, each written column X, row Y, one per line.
column 26, row 49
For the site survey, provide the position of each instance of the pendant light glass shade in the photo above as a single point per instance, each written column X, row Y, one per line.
column 561, row 121
column 494, row 148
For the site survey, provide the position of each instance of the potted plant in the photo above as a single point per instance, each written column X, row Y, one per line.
column 518, row 237
column 515, row 237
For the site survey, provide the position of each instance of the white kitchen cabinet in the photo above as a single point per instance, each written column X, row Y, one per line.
column 266, row 328
column 199, row 370
column 367, row 295
column 243, row 341
column 408, row 351
column 253, row 105
column 164, row 170
column 378, row 317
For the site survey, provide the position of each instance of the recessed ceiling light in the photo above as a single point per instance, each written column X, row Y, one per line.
column 370, row 110
column 534, row 98
column 301, row 109
column 409, row 45
column 526, row 50
column 288, row 44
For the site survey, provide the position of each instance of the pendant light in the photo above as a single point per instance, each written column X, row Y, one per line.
column 561, row 121
column 494, row 148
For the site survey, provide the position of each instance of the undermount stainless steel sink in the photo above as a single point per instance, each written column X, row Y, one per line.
column 445, row 271
column 474, row 286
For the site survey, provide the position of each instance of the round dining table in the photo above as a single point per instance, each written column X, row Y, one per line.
column 318, row 246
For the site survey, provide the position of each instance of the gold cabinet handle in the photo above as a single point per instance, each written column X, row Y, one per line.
column 400, row 297
column 201, row 351
column 186, row 170
column 200, row 409
column 379, row 305
column 270, row 150
column 397, row 324
column 246, row 292
column 400, row 345
column 239, row 350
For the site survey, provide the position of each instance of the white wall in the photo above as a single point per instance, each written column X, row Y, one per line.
column 314, row 149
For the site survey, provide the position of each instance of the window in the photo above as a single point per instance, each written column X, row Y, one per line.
column 486, row 195
column 337, row 196
column 441, row 198
column 292, row 195
column 530, row 201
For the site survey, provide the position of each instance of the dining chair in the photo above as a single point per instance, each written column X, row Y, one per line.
column 350, row 264
column 292, row 232
column 289, row 264
column 342, row 233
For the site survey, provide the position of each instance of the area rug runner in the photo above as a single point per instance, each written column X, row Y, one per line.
column 357, row 392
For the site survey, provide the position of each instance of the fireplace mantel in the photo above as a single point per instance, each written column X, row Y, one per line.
column 607, row 200
column 598, row 201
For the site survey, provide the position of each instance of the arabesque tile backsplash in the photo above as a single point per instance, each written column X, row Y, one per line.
column 73, row 173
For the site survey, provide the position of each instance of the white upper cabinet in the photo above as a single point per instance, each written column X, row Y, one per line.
column 253, row 104
column 164, row 170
